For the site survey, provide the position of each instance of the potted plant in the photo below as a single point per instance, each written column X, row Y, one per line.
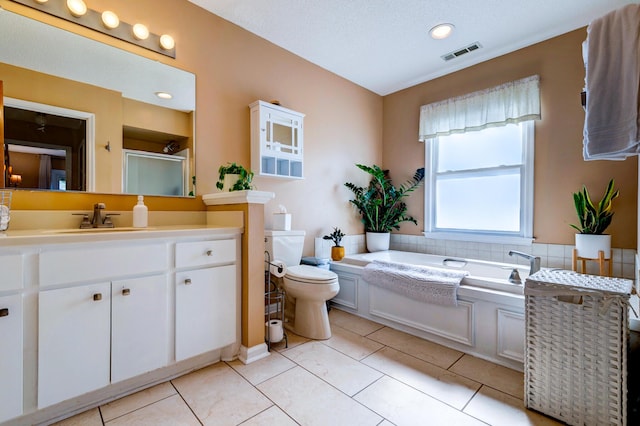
column 337, row 251
column 381, row 204
column 234, row 177
column 593, row 219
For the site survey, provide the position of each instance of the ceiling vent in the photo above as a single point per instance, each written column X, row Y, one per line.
column 459, row 52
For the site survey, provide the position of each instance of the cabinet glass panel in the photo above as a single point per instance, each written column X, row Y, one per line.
column 269, row 165
column 283, row 167
column 296, row 168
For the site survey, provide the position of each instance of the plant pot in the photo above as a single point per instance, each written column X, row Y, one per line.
column 588, row 245
column 229, row 181
column 378, row 241
column 337, row 253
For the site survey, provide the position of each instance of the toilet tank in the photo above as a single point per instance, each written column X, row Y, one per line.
column 285, row 245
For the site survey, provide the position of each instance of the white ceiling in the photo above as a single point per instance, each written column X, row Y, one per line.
column 384, row 45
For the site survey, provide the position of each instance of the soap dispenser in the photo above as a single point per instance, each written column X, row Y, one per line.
column 140, row 214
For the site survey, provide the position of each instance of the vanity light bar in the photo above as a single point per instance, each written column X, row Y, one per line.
column 106, row 22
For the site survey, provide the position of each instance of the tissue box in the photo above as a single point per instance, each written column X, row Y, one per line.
column 282, row 221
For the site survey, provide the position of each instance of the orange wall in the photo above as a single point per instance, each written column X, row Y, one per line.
column 559, row 167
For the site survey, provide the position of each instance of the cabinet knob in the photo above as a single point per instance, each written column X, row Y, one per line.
column 4, row 312
column 209, row 252
column 126, row 291
column 97, row 296
column 187, row 281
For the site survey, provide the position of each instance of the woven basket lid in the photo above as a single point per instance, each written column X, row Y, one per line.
column 573, row 280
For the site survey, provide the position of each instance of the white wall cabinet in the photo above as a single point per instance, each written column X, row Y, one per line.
column 73, row 342
column 277, row 141
column 11, row 356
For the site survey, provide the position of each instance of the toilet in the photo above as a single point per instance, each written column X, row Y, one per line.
column 307, row 287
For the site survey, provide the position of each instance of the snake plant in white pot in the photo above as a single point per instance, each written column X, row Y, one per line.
column 594, row 219
column 381, row 204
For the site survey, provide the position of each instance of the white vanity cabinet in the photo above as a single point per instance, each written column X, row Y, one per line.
column 89, row 317
column 90, row 335
column 277, row 136
column 139, row 326
column 206, row 291
column 10, row 356
column 73, row 341
column 11, row 331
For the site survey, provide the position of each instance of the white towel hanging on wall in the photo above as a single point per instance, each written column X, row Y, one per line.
column 612, row 82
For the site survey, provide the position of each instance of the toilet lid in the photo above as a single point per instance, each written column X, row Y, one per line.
column 311, row 274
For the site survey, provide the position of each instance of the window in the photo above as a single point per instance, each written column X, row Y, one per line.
column 479, row 153
column 479, row 185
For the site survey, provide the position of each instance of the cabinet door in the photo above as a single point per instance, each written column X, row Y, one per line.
column 139, row 326
column 10, row 357
column 73, row 342
column 205, row 310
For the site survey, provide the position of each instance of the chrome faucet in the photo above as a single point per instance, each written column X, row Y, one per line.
column 534, row 261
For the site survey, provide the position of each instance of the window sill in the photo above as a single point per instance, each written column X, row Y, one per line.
column 479, row 238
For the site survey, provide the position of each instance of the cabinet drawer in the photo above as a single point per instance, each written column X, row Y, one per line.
column 101, row 263
column 11, row 272
column 204, row 253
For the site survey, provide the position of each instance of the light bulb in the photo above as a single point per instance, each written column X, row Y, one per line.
column 167, row 42
column 164, row 95
column 77, row 7
column 140, row 31
column 41, row 1
column 110, row 19
column 441, row 31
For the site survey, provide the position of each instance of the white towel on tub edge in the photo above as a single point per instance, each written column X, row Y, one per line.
column 425, row 283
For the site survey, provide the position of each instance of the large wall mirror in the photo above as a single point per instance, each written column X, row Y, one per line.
column 75, row 110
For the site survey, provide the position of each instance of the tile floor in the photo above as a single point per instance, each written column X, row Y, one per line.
column 366, row 374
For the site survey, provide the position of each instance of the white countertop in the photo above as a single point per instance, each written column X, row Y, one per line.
column 54, row 236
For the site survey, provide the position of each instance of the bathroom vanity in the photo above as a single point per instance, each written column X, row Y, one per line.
column 87, row 316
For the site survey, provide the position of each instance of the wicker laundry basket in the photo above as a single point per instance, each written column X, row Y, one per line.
column 577, row 332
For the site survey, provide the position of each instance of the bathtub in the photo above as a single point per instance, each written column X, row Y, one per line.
column 482, row 274
column 489, row 321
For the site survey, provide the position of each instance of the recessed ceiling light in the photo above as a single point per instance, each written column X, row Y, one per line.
column 441, row 31
column 164, row 95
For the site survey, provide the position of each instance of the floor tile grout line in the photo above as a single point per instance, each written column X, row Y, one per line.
column 186, row 403
column 137, row 409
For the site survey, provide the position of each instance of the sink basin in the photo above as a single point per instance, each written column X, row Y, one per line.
column 95, row 230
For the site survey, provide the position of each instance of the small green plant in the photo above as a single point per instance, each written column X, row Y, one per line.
column 594, row 219
column 336, row 236
column 244, row 177
column 381, row 204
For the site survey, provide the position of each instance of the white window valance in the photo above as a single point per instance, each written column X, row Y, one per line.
column 511, row 102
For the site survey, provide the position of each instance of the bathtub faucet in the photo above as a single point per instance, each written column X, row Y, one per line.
column 534, row 261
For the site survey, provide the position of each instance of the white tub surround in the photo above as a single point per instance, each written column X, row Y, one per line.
column 488, row 321
column 93, row 315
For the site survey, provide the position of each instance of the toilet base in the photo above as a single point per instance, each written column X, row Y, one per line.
column 311, row 320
